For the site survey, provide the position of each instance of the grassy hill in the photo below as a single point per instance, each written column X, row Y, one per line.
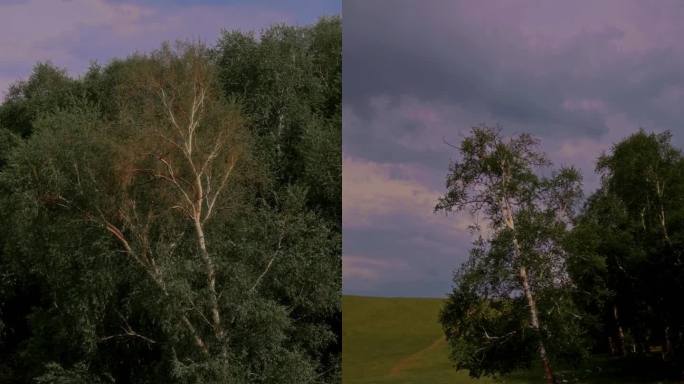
column 399, row 341
column 395, row 340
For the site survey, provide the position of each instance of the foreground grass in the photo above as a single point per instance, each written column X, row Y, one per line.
column 399, row 341
column 387, row 340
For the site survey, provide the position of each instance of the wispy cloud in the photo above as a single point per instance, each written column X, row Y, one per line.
column 72, row 33
column 366, row 268
column 373, row 190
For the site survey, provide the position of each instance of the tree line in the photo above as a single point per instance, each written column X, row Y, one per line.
column 176, row 216
column 560, row 279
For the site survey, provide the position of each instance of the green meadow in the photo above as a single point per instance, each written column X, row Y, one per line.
column 399, row 341
column 395, row 340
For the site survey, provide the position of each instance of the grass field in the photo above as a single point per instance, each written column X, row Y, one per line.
column 398, row 340
column 386, row 340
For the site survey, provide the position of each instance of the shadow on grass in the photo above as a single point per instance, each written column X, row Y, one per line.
column 602, row 369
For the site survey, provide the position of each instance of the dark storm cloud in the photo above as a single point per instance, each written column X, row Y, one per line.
column 459, row 53
column 580, row 75
column 440, row 58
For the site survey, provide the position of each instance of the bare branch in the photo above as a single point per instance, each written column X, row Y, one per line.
column 172, row 118
column 127, row 332
column 268, row 266
column 174, row 181
column 226, row 176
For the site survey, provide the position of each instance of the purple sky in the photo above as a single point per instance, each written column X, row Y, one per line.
column 580, row 75
column 72, row 33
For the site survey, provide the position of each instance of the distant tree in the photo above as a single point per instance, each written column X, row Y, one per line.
column 644, row 172
column 48, row 89
column 510, row 297
column 8, row 142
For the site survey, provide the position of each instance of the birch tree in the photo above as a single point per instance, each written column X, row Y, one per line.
column 522, row 261
column 173, row 156
column 151, row 232
column 176, row 216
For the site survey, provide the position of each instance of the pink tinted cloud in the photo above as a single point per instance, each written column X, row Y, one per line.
column 671, row 97
column 584, row 105
column 373, row 191
column 550, row 25
column 369, row 190
column 412, row 123
column 73, row 33
column 367, row 268
column 25, row 26
column 364, row 274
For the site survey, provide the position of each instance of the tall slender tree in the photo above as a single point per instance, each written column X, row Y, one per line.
column 527, row 214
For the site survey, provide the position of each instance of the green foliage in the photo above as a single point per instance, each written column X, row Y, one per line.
column 289, row 80
column 56, row 374
column 625, row 252
column 48, row 89
column 510, row 299
column 8, row 141
column 484, row 332
column 138, row 206
column 486, row 318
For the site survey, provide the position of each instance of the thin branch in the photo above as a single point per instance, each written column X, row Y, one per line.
column 212, row 155
column 220, row 188
column 270, row 262
column 198, row 340
column 172, row 118
column 174, row 181
column 128, row 333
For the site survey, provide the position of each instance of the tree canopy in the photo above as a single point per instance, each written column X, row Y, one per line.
column 552, row 281
column 509, row 301
column 161, row 228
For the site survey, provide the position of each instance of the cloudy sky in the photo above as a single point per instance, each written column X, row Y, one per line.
column 72, row 33
column 580, row 75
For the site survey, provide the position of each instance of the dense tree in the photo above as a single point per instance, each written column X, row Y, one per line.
column 148, row 241
column 632, row 229
column 289, row 80
column 613, row 272
column 47, row 90
column 601, row 251
column 509, row 299
column 289, row 83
